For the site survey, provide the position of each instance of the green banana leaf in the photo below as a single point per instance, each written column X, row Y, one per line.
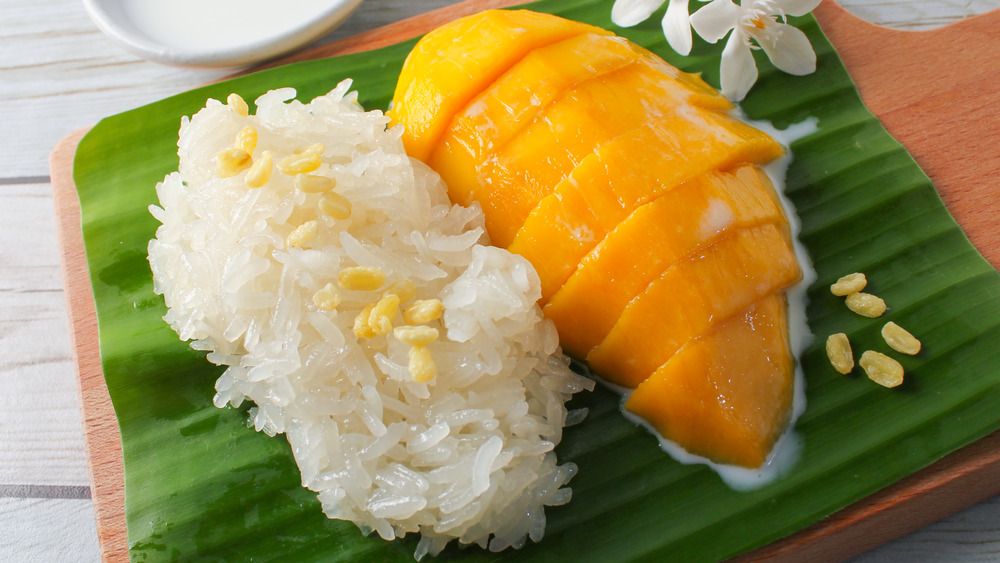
column 201, row 485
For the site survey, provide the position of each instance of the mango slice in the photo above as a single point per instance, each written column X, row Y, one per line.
column 501, row 111
column 727, row 395
column 661, row 247
column 691, row 297
column 512, row 180
column 650, row 240
column 518, row 175
column 450, row 66
column 631, row 170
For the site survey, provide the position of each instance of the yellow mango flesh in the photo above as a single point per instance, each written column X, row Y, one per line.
column 727, row 395
column 631, row 170
column 500, row 112
column 450, row 66
column 513, row 179
column 602, row 165
column 654, row 237
column 691, row 297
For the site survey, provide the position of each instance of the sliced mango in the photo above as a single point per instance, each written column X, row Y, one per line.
column 600, row 164
column 631, row 170
column 455, row 62
column 652, row 238
column 500, row 112
column 727, row 395
column 691, row 297
column 517, row 176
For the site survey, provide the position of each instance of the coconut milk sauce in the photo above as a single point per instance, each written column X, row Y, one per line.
column 219, row 24
column 788, row 448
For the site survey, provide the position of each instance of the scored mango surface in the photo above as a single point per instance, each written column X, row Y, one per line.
column 458, row 60
column 515, row 176
column 627, row 172
column 731, row 370
column 668, row 229
column 661, row 247
column 508, row 105
column 691, row 297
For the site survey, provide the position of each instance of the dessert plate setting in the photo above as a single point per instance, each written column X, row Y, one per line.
column 215, row 488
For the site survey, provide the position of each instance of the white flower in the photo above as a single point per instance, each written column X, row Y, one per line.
column 755, row 25
column 676, row 22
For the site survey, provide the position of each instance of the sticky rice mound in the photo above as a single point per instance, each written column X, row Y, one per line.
column 467, row 455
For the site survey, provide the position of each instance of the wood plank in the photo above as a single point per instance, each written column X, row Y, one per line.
column 47, row 530
column 40, row 430
column 64, row 74
column 970, row 535
column 917, row 14
column 965, row 477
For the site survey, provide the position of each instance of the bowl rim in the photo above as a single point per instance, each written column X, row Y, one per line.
column 106, row 14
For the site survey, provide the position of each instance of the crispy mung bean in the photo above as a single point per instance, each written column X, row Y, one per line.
column 866, row 305
column 423, row 311
column 335, row 205
column 421, row 365
column 882, row 369
column 851, row 283
column 312, row 184
column 302, row 234
column 246, row 139
column 231, row 162
column 327, row 298
column 361, row 278
column 414, row 335
column 899, row 339
column 238, row 104
column 299, row 163
column 260, row 171
column 838, row 350
column 384, row 314
column 361, row 327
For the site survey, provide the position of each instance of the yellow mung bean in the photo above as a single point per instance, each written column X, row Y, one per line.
column 882, row 369
column 414, row 335
column 838, row 350
column 361, row 278
column 899, row 339
column 851, row 283
column 866, row 305
column 423, row 311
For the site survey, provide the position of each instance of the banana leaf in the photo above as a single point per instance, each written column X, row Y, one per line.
column 201, row 485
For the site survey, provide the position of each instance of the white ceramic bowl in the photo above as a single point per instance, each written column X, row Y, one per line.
column 216, row 33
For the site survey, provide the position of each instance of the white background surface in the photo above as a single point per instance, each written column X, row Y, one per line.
column 57, row 74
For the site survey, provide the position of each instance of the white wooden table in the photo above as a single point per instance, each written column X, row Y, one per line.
column 59, row 73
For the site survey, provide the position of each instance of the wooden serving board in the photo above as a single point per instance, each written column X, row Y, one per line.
column 935, row 91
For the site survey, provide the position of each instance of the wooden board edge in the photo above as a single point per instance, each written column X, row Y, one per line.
column 957, row 481
column 102, row 439
column 934, row 95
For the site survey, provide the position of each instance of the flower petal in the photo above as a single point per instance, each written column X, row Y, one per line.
column 797, row 7
column 626, row 13
column 790, row 50
column 738, row 70
column 714, row 21
column 677, row 26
